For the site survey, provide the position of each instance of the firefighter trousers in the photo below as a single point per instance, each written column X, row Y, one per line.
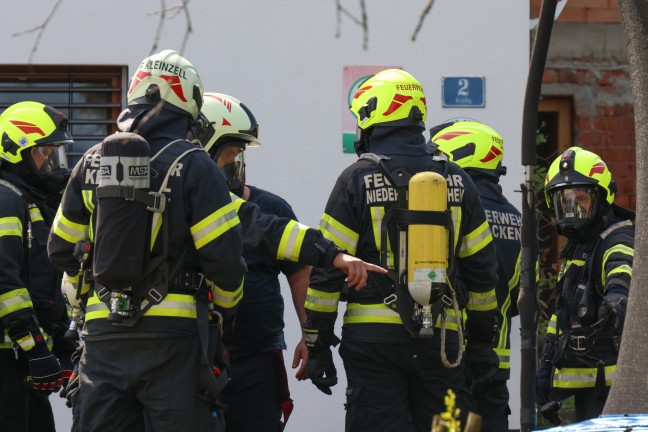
column 147, row 384
column 492, row 406
column 257, row 389
column 399, row 387
column 21, row 408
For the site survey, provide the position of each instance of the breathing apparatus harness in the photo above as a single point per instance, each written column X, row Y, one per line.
column 130, row 289
column 419, row 319
column 581, row 306
column 580, row 337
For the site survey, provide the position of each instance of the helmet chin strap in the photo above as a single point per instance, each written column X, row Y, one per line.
column 361, row 144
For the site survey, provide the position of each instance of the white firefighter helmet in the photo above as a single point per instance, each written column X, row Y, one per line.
column 169, row 77
column 230, row 120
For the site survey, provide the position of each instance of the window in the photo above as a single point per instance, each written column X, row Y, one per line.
column 91, row 97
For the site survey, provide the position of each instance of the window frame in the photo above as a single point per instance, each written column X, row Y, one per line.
column 73, row 80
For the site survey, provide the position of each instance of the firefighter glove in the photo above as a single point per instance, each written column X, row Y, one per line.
column 321, row 369
column 45, row 370
column 71, row 388
column 483, row 364
column 614, row 305
column 70, row 365
column 44, row 367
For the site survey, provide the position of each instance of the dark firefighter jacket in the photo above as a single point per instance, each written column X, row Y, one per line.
column 202, row 225
column 283, row 238
column 29, row 284
column 583, row 344
column 505, row 221
column 360, row 199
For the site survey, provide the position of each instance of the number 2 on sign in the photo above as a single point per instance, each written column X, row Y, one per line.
column 463, row 87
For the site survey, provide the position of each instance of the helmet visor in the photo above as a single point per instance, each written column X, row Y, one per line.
column 230, row 161
column 575, row 203
column 49, row 158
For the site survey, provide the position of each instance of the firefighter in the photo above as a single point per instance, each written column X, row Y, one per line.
column 257, row 394
column 397, row 367
column 150, row 368
column 479, row 150
column 33, row 172
column 583, row 336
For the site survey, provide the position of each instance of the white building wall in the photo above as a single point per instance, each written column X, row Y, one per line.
column 281, row 58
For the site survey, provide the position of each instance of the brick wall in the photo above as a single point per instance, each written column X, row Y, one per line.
column 582, row 11
column 603, row 119
column 595, row 75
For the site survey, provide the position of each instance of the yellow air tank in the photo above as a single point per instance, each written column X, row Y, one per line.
column 427, row 251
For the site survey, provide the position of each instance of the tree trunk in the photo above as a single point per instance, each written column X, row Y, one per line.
column 628, row 394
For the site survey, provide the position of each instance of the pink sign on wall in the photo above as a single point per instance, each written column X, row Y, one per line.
column 352, row 77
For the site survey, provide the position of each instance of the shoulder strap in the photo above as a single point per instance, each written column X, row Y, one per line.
column 172, row 153
column 614, row 227
column 11, row 187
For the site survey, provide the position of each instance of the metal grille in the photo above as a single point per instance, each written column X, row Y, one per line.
column 91, row 97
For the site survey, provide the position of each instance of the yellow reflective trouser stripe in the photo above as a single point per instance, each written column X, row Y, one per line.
column 291, row 241
column 10, row 226
column 225, row 299
column 475, row 241
column 482, row 301
column 173, row 305
column 504, row 356
column 581, row 377
column 69, row 231
column 14, row 300
column 214, row 225
column 335, row 231
column 35, row 214
column 321, row 301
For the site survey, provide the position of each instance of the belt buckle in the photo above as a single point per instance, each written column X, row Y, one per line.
column 200, row 281
column 390, row 299
column 578, row 343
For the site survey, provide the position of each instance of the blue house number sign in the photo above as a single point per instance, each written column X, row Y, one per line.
column 464, row 92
